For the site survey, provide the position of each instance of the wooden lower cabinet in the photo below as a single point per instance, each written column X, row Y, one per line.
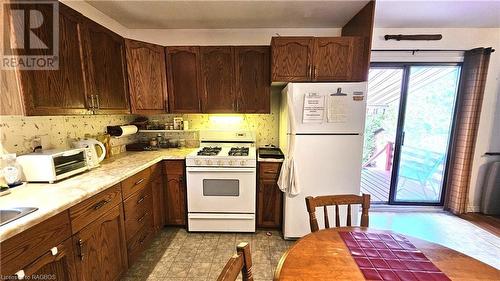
column 158, row 189
column 60, row 266
column 269, row 196
column 100, row 248
column 175, row 199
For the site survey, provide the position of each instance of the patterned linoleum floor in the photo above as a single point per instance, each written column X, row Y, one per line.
column 177, row 255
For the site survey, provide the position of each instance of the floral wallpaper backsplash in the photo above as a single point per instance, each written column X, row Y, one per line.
column 18, row 132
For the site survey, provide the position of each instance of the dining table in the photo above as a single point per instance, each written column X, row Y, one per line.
column 324, row 255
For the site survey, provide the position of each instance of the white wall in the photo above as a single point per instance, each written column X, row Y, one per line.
column 489, row 127
column 453, row 38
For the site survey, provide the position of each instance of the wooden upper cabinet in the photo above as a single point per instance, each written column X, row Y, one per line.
column 252, row 79
column 335, row 58
column 49, row 92
column 106, row 69
column 147, row 77
column 291, row 58
column 217, row 79
column 308, row 59
column 183, row 73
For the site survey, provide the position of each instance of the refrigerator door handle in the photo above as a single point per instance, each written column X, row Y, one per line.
column 403, row 138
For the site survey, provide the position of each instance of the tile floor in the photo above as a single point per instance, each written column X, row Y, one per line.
column 178, row 255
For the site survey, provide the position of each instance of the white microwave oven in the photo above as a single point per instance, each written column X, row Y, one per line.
column 53, row 164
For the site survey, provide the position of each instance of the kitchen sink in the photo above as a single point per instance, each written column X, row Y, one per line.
column 10, row 214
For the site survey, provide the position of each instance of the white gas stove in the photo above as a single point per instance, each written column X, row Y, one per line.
column 221, row 182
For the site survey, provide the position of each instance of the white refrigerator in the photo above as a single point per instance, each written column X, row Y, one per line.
column 321, row 130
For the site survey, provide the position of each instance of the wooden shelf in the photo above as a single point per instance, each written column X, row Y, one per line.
column 165, row 131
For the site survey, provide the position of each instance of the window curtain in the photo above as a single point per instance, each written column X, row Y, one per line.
column 470, row 98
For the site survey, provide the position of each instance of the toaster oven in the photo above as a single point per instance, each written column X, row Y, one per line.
column 53, row 164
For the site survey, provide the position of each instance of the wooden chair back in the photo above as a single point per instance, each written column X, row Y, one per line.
column 335, row 200
column 240, row 262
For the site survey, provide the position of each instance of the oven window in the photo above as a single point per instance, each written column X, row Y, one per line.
column 221, row 187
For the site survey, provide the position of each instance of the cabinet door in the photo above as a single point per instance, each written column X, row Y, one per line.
column 175, row 193
column 217, row 79
column 105, row 58
column 252, row 79
column 61, row 91
column 101, row 250
column 158, row 197
column 183, row 73
column 147, row 78
column 269, row 204
column 291, row 59
column 335, row 57
column 57, row 263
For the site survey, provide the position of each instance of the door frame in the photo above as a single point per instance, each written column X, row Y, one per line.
column 400, row 123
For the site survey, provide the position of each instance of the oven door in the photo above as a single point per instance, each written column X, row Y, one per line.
column 221, row 190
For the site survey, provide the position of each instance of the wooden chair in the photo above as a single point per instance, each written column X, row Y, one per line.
column 329, row 200
column 242, row 261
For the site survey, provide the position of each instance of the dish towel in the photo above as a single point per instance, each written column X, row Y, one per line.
column 287, row 181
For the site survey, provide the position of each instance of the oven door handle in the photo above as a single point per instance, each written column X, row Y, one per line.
column 225, row 170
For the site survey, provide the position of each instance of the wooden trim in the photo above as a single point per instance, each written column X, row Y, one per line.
column 362, row 25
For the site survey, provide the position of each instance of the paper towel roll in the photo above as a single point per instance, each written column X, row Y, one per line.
column 120, row 131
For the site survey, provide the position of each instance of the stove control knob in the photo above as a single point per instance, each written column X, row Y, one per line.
column 242, row 162
column 230, row 162
column 219, row 162
column 197, row 162
column 209, row 162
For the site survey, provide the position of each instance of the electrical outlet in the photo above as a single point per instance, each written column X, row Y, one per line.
column 36, row 142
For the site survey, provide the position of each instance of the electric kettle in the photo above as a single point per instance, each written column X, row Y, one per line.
column 95, row 151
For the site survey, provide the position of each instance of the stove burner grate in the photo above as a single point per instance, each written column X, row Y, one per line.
column 238, row 151
column 209, row 151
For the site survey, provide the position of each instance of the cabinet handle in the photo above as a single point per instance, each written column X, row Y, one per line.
column 54, row 251
column 90, row 100
column 80, row 246
column 98, row 104
column 20, row 274
column 310, row 71
column 142, row 218
column 181, row 179
column 141, row 241
column 99, row 204
column 141, row 199
column 139, row 181
column 315, row 72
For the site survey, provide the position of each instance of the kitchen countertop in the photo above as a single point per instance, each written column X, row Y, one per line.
column 51, row 199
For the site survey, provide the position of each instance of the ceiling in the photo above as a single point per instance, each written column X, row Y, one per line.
column 229, row 14
column 445, row 14
column 215, row 14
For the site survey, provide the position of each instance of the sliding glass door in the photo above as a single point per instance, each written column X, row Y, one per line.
column 409, row 122
column 426, row 121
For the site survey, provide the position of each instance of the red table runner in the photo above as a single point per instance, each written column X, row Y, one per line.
column 382, row 256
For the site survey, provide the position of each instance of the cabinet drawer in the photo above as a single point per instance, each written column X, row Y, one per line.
column 138, row 243
column 138, row 211
column 137, row 204
column 27, row 246
column 135, row 182
column 174, row 167
column 89, row 210
column 132, row 226
column 269, row 170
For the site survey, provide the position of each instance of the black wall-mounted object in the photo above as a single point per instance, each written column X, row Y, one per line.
column 419, row 37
